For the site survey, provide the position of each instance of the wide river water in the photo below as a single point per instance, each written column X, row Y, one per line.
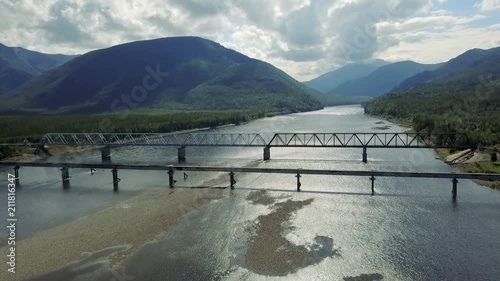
column 411, row 229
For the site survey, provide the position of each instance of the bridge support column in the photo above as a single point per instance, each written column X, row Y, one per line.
column 65, row 174
column 455, row 184
column 181, row 154
column 116, row 179
column 365, row 155
column 373, row 185
column 267, row 153
column 171, row 180
column 65, row 177
column 232, row 180
column 106, row 153
column 16, row 175
column 298, row 176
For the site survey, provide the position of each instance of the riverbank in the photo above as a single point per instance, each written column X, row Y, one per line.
column 476, row 162
column 473, row 162
column 104, row 239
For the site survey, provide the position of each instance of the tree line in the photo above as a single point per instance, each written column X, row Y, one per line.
column 469, row 109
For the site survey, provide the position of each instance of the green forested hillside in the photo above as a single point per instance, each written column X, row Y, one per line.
column 453, row 107
column 18, row 65
column 463, row 95
column 188, row 73
column 468, row 68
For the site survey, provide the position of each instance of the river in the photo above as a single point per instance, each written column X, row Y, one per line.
column 334, row 229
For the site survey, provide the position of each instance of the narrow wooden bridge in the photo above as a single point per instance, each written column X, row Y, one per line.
column 171, row 170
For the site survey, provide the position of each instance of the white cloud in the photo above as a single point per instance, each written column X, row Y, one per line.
column 435, row 48
column 489, row 5
column 303, row 37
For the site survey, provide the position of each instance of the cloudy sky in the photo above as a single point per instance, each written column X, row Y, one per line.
column 305, row 38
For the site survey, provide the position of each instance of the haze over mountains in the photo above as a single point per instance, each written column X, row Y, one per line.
column 191, row 73
column 367, row 80
column 382, row 80
column 330, row 80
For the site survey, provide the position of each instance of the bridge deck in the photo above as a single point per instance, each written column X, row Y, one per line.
column 256, row 170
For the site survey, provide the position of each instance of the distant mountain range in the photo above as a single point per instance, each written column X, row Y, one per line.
column 192, row 73
column 170, row 73
column 464, row 69
column 382, row 80
column 18, row 65
column 363, row 81
column 330, row 80
column 380, row 77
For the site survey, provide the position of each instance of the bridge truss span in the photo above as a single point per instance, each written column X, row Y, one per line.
column 327, row 140
column 361, row 140
column 369, row 140
column 152, row 139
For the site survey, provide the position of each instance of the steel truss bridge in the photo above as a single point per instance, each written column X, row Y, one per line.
column 352, row 140
column 346, row 140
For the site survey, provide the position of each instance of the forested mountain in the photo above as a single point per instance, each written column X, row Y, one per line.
column 461, row 96
column 382, row 80
column 169, row 73
column 329, row 81
column 466, row 68
column 18, row 65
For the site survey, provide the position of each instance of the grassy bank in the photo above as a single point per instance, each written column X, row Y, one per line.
column 483, row 167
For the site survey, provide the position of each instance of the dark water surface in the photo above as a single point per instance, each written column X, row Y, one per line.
column 411, row 229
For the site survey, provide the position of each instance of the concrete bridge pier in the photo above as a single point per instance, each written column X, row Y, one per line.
column 455, row 184
column 171, row 180
column 65, row 177
column 232, row 180
column 16, row 175
column 116, row 180
column 373, row 184
column 365, row 155
column 65, row 174
column 267, row 153
column 181, row 154
column 106, row 153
